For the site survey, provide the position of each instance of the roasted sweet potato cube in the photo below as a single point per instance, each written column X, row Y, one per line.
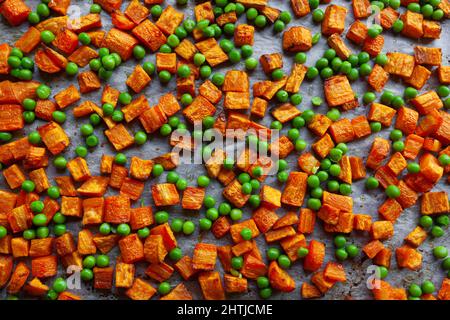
column 319, row 124
column 165, row 194
column 233, row 193
column 338, row 90
column 20, row 247
column 79, row 169
column 419, row 77
column 118, row 175
column 211, row 285
column 236, row 229
column 180, row 292
column 381, row 113
column 204, row 257
column 334, row 20
column 408, row 257
column 323, row 145
column 322, row 283
column 407, row 120
column 361, row 8
column 295, row 189
column 431, row 29
column 309, row 291
column 272, row 87
column 150, row 35
column 372, row 248
column 444, row 74
column 329, row 214
column 314, row 260
column 136, row 11
column 10, row 117
column 271, row 62
column 121, row 42
column 153, row 118
column 41, row 247
column 117, row 209
column 243, row 34
column 285, row 112
column 20, row 218
column 281, row 147
column 307, row 219
column 71, row 206
column 291, row 245
column 132, row 188
column 308, row 163
column 416, row 237
column 342, row 131
column 140, row 290
column 44, row 267
column 140, row 169
column 390, row 210
column 192, row 198
column 135, row 108
column 432, row 145
column 5, row 50
column 413, row 145
column 237, row 100
column 300, row 7
column 166, row 62
column 15, row 11
column 36, row 288
column 65, row 244
column 184, row 267
column 234, row 284
column 138, row 80
column 14, row 176
column 132, row 249
column 5, row 245
column 106, row 243
column 169, row 104
column 373, row 46
column 54, row 137
column 270, row 197
column 210, row 92
column 66, row 41
column 103, row 278
column 295, row 79
column 387, row 17
column 427, row 102
column 119, row 137
column 334, row 272
column 297, row 39
column 88, row 81
column 337, row 43
column 94, row 187
column 7, row 201
column 84, row 23
column 186, row 50
column 399, row 64
column 85, row 244
column 357, row 32
column 434, row 203
column 428, row 56
column 124, row 274
column 259, row 107
column 236, row 81
column 362, row 222
column 412, row 24
column 199, row 109
column 408, row 197
column 279, row 278
column 67, row 96
column 29, row 40
column 379, row 151
column 397, row 163
column 378, row 78
column 382, row 230
column 429, row 124
column 169, row 20
column 221, row 227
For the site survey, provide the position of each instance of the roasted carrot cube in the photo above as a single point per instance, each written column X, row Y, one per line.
column 149, row 34
column 357, row 32
column 169, row 20
column 44, row 267
column 243, row 34
column 408, row 257
column 334, row 20
column 434, row 203
column 300, row 7
column 221, row 227
column 138, row 80
column 342, row 131
column 323, row 145
column 103, row 278
column 412, row 24
column 314, row 260
column 14, row 11
column 121, row 42
column 211, row 285
column 296, row 39
column 427, row 102
column 338, row 90
column 399, row 64
column 54, row 137
column 117, row 209
column 153, row 118
column 236, row 229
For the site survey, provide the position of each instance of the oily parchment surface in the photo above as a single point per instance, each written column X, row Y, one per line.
column 266, row 41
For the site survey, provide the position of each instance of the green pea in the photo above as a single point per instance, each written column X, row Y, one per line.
column 161, row 217
column 60, row 162
column 59, row 285
column 392, row 191
column 53, row 192
column 236, row 214
column 352, row 250
column 42, row 232
column 428, row 287
column 262, row 282
column 397, row 26
column 273, row 253
column 120, row 159
column 102, row 261
column 260, row 21
column 375, row 126
column 341, row 254
column 123, row 229
column 188, row 227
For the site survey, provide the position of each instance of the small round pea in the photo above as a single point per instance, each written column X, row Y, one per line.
column 161, row 217
column 341, row 254
column 43, row 91
column 383, row 272
column 33, row 18
column 236, row 214
column 273, row 253
column 47, row 36
column 3, row 232
column 314, row 204
column 59, row 285
column 105, row 228
column 375, row 126
column 237, row 263
column 440, row 252
column 164, row 76
column 53, row 192
column 352, row 250
column 372, row 183
column 92, row 140
column 428, row 287
column 312, row 73
column 318, row 15
column 444, row 159
column 340, row 241
column 415, row 290
column 369, row 97
column 205, row 71
column 392, row 191
column 40, row 220
column 176, row 253
column 28, row 186
column 260, row 21
column 29, row 234
column 443, row 220
column 37, row 206
column 95, row 8
column 246, row 234
column 102, row 261
column 426, row 221
column 446, row 264
column 14, row 61
column 437, row 231
column 42, row 232
column 205, row 224
column 262, row 282
column 410, row 93
column 251, row 14
column 120, row 159
column 59, row 229
column 188, row 227
column 397, row 26
column 234, row 55
column 381, row 59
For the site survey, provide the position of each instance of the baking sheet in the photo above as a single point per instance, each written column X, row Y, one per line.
column 266, row 41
